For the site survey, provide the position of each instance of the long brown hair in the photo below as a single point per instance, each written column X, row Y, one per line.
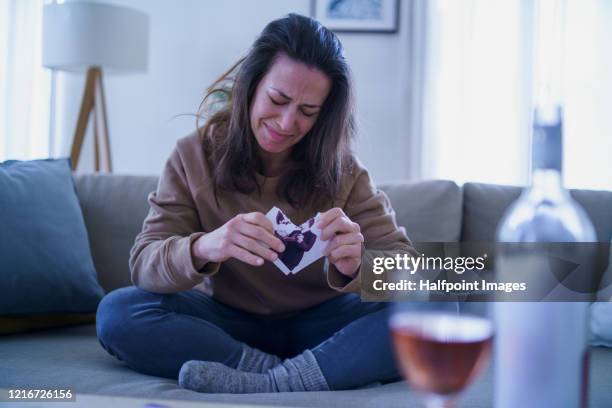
column 321, row 157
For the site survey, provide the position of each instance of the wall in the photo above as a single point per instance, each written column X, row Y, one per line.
column 191, row 43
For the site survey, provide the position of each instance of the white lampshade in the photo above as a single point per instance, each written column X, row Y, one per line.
column 79, row 35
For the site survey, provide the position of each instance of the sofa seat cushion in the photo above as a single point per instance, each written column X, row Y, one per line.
column 72, row 358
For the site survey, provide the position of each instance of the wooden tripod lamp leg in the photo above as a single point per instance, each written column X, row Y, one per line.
column 87, row 105
column 102, row 120
column 96, row 138
column 93, row 99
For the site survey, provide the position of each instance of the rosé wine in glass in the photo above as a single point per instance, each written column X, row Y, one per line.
column 440, row 353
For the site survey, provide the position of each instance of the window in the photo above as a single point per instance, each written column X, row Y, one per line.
column 24, row 83
column 478, row 97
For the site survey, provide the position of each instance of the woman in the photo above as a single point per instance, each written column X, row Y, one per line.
column 209, row 306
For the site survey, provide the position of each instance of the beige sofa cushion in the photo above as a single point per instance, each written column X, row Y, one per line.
column 114, row 208
column 429, row 210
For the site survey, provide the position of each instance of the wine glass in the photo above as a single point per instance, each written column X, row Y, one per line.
column 441, row 347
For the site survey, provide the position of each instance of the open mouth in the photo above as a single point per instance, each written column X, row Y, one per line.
column 276, row 136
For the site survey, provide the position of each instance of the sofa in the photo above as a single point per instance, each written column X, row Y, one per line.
column 114, row 207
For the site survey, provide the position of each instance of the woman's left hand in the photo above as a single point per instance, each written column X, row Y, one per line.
column 344, row 247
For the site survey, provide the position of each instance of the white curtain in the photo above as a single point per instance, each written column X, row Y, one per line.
column 475, row 117
column 587, row 156
column 479, row 84
column 24, row 83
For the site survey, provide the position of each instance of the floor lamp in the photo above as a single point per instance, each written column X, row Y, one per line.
column 92, row 37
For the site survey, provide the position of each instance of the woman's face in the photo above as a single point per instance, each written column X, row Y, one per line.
column 286, row 104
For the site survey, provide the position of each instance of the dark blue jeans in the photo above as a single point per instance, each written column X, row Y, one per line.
column 156, row 333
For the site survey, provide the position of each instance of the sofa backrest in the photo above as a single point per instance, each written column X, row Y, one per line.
column 115, row 206
column 429, row 210
column 485, row 204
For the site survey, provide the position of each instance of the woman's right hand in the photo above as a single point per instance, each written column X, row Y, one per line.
column 240, row 238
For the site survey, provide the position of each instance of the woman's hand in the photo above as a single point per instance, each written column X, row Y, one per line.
column 344, row 249
column 240, row 238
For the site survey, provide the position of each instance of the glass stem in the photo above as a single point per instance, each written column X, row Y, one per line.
column 440, row 403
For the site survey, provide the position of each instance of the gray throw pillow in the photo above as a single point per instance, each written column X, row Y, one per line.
column 45, row 263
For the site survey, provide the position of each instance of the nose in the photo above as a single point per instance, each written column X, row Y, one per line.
column 287, row 120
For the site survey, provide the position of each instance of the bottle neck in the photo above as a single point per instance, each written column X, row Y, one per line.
column 547, row 152
column 547, row 140
column 548, row 182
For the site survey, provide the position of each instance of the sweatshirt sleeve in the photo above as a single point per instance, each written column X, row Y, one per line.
column 371, row 209
column 160, row 260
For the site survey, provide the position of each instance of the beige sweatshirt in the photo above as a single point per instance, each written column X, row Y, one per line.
column 183, row 208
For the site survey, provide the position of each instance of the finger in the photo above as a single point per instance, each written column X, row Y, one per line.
column 344, row 239
column 328, row 216
column 260, row 234
column 346, row 251
column 245, row 256
column 259, row 219
column 339, row 225
column 255, row 247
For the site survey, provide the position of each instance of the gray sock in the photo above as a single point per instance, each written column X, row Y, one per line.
column 300, row 373
column 256, row 361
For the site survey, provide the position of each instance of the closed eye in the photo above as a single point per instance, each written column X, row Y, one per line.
column 275, row 101
column 279, row 103
column 309, row 115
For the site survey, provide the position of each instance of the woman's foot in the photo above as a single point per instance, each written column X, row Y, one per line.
column 300, row 373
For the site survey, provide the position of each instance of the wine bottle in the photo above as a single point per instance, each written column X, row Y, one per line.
column 541, row 347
